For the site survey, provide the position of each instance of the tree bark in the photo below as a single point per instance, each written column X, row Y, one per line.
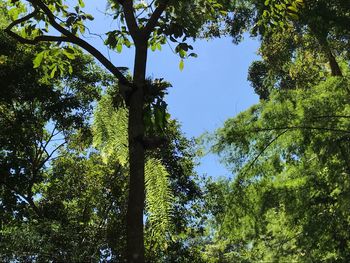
column 335, row 69
column 136, row 200
column 323, row 42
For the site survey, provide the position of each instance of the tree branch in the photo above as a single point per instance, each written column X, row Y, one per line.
column 26, row 199
column 130, row 19
column 36, row 39
column 263, row 150
column 23, row 19
column 332, row 116
column 152, row 22
column 286, row 129
column 301, row 128
column 67, row 37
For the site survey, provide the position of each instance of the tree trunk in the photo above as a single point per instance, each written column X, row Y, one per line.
column 136, row 200
column 335, row 69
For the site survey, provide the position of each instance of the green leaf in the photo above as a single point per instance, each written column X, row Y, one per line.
column 81, row 3
column 90, row 17
column 52, row 74
column 119, row 46
column 68, row 54
column 181, row 65
column 38, row 59
column 153, row 47
column 182, row 53
column 293, row 9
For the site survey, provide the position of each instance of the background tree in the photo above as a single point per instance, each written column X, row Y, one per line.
column 300, row 39
column 37, row 120
column 286, row 201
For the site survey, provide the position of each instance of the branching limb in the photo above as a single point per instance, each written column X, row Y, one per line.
column 284, row 130
column 331, row 116
column 67, row 36
column 300, row 128
column 144, row 10
column 37, row 39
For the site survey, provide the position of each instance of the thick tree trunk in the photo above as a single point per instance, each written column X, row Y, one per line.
column 135, row 240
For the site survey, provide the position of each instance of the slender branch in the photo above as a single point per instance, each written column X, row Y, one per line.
column 299, row 127
column 22, row 196
column 286, row 129
column 144, row 10
column 37, row 39
column 264, row 149
column 43, row 147
column 332, row 116
column 152, row 22
column 51, row 154
column 23, row 19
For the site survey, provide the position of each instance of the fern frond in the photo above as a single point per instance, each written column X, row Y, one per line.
column 159, row 200
column 110, row 131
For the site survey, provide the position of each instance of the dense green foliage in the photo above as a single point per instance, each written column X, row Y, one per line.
column 289, row 199
column 61, row 24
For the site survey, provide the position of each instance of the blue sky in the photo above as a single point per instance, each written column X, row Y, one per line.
column 210, row 89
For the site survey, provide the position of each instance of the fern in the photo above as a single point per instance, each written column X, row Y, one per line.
column 159, row 200
column 111, row 138
column 110, row 131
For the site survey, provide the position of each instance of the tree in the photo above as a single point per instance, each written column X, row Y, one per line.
column 170, row 184
column 291, row 162
column 174, row 19
column 287, row 153
column 299, row 40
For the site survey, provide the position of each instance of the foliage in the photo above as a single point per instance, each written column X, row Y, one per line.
column 291, row 162
column 140, row 24
column 202, row 19
column 40, row 216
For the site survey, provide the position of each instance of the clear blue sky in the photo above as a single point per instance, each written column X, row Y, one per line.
column 210, row 89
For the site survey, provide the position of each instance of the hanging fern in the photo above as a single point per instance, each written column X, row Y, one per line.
column 159, row 200
column 111, row 138
column 110, row 131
